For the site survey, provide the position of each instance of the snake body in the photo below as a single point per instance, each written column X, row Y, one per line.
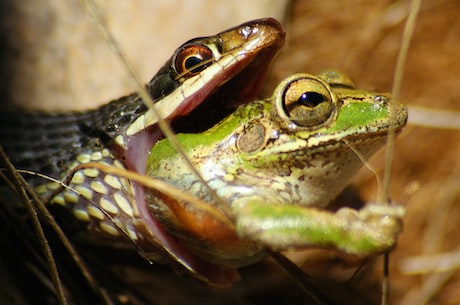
column 42, row 142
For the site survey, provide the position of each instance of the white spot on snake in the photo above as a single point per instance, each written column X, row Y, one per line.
column 41, row 189
column 96, row 156
column 110, row 229
column 112, row 181
column 81, row 215
column 123, row 203
column 120, row 140
column 91, row 172
column 118, row 164
column 78, row 178
column 71, row 197
column 132, row 234
column 84, row 191
column 83, row 158
column 59, row 199
column 108, row 206
column 52, row 186
column 95, row 212
column 105, row 153
column 99, row 187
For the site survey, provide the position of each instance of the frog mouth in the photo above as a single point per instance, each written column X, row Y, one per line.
column 236, row 84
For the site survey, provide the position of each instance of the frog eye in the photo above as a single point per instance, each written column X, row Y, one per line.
column 191, row 59
column 307, row 102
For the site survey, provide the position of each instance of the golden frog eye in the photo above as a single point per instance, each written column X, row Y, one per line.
column 191, row 59
column 307, row 102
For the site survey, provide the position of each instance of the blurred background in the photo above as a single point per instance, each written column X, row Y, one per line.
column 53, row 57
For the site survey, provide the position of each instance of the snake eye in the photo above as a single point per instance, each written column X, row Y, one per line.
column 307, row 102
column 191, row 59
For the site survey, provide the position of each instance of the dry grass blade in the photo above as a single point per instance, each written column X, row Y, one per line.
column 37, row 211
column 389, row 150
column 434, row 118
column 303, row 280
column 160, row 186
column 24, row 192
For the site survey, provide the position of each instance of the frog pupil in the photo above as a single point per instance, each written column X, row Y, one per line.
column 310, row 99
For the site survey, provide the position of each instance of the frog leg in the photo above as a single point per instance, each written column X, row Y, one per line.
column 369, row 231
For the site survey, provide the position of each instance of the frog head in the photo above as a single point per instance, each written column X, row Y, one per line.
column 301, row 145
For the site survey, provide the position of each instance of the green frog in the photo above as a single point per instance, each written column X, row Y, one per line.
column 271, row 169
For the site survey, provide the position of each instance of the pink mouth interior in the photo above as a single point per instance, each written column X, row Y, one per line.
column 138, row 149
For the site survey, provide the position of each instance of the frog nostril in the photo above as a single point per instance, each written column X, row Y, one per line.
column 381, row 99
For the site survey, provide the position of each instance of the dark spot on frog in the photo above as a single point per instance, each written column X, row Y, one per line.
column 252, row 139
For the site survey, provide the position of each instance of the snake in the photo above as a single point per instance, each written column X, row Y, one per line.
column 204, row 80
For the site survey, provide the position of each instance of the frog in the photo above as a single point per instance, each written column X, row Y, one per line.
column 272, row 168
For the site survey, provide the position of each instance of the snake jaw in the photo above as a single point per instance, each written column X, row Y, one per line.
column 244, row 64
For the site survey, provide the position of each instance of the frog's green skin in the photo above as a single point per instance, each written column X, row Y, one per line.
column 277, row 164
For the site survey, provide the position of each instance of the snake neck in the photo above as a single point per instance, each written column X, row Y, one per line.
column 48, row 143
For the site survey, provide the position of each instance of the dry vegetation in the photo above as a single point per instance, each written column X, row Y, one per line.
column 361, row 38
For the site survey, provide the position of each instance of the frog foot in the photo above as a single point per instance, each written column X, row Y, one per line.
column 377, row 227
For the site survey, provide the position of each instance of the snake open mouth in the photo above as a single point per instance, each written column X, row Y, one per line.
column 197, row 104
column 228, row 90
